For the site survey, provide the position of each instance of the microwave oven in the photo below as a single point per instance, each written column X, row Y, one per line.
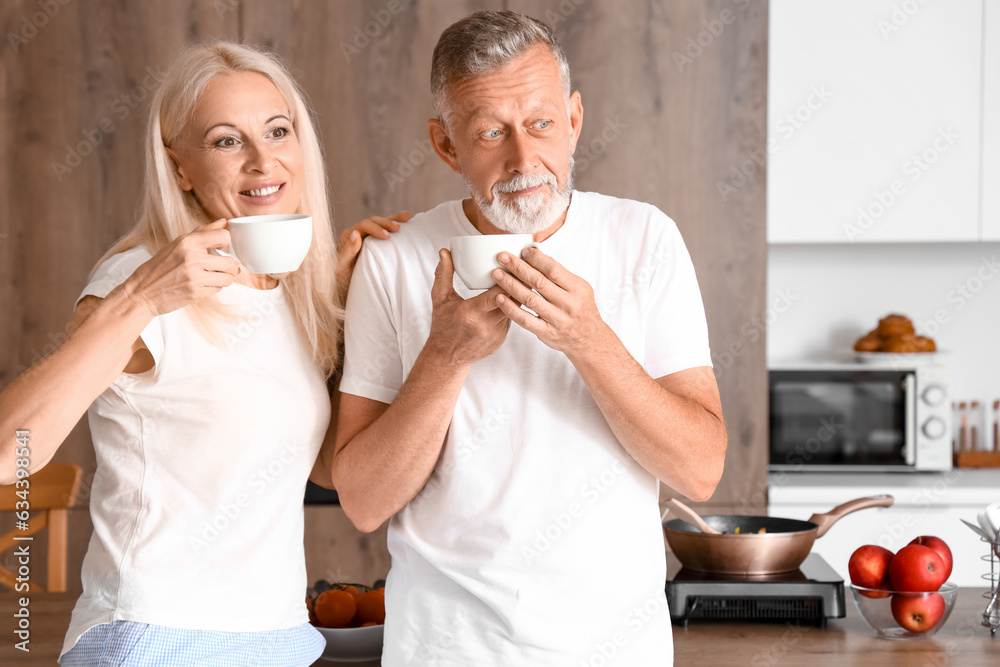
column 860, row 418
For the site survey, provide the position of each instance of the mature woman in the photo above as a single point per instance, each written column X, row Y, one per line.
column 206, row 384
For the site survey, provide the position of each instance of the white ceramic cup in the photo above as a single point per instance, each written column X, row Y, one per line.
column 475, row 257
column 269, row 243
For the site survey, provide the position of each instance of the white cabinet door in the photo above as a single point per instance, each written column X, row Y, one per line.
column 874, row 120
column 991, row 122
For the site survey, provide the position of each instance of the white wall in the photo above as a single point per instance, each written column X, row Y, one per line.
column 822, row 297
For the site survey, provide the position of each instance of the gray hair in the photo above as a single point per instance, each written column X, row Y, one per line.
column 484, row 42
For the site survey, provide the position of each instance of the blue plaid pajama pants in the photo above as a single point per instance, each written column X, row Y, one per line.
column 131, row 644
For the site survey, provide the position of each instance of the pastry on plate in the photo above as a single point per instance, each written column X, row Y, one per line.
column 895, row 325
column 870, row 342
column 894, row 335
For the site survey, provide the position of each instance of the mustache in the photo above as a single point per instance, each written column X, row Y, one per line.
column 523, row 182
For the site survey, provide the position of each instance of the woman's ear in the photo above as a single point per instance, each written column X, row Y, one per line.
column 182, row 178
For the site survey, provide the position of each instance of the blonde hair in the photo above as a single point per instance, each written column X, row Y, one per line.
column 167, row 211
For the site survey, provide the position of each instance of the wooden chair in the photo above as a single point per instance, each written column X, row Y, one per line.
column 51, row 491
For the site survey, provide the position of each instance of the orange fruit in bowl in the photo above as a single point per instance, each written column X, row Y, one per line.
column 335, row 608
column 352, row 590
column 312, row 612
column 371, row 607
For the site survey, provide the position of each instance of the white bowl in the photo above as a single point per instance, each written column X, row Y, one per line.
column 352, row 644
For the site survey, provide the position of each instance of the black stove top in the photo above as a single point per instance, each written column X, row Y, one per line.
column 812, row 594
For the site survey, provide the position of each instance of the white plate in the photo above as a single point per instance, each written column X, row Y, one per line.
column 896, row 358
column 352, row 644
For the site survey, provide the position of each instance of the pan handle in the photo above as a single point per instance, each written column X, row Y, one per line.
column 824, row 521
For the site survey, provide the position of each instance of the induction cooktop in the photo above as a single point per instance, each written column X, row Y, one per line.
column 811, row 594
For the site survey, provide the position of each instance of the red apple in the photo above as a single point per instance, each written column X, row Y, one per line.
column 869, row 568
column 916, row 568
column 917, row 613
column 939, row 547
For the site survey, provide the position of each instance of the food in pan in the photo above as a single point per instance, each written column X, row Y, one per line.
column 739, row 532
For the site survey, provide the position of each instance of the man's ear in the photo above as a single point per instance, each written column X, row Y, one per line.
column 182, row 178
column 442, row 144
column 575, row 120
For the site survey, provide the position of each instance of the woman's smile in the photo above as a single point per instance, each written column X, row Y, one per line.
column 263, row 195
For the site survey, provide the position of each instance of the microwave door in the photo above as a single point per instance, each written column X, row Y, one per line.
column 910, row 422
column 841, row 420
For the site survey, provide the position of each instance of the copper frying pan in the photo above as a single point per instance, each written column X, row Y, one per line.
column 781, row 548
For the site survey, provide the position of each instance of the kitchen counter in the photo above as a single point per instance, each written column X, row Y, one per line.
column 926, row 503
column 844, row 642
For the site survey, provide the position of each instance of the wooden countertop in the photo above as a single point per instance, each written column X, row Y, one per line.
column 844, row 642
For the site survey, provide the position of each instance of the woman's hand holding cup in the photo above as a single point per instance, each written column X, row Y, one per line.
column 184, row 272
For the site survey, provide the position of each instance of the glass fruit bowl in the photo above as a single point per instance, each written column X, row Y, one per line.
column 903, row 615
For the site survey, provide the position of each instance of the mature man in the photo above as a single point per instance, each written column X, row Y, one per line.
column 517, row 453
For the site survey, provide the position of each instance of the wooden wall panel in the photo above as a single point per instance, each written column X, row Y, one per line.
column 366, row 68
column 657, row 128
column 75, row 98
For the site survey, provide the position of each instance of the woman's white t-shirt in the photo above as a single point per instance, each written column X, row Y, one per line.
column 202, row 464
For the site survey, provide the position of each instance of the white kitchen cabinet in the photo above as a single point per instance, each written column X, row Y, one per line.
column 925, row 504
column 991, row 122
column 874, row 120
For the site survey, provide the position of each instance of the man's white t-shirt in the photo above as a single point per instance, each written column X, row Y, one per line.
column 537, row 539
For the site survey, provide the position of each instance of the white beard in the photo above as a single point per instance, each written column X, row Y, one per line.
column 525, row 215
